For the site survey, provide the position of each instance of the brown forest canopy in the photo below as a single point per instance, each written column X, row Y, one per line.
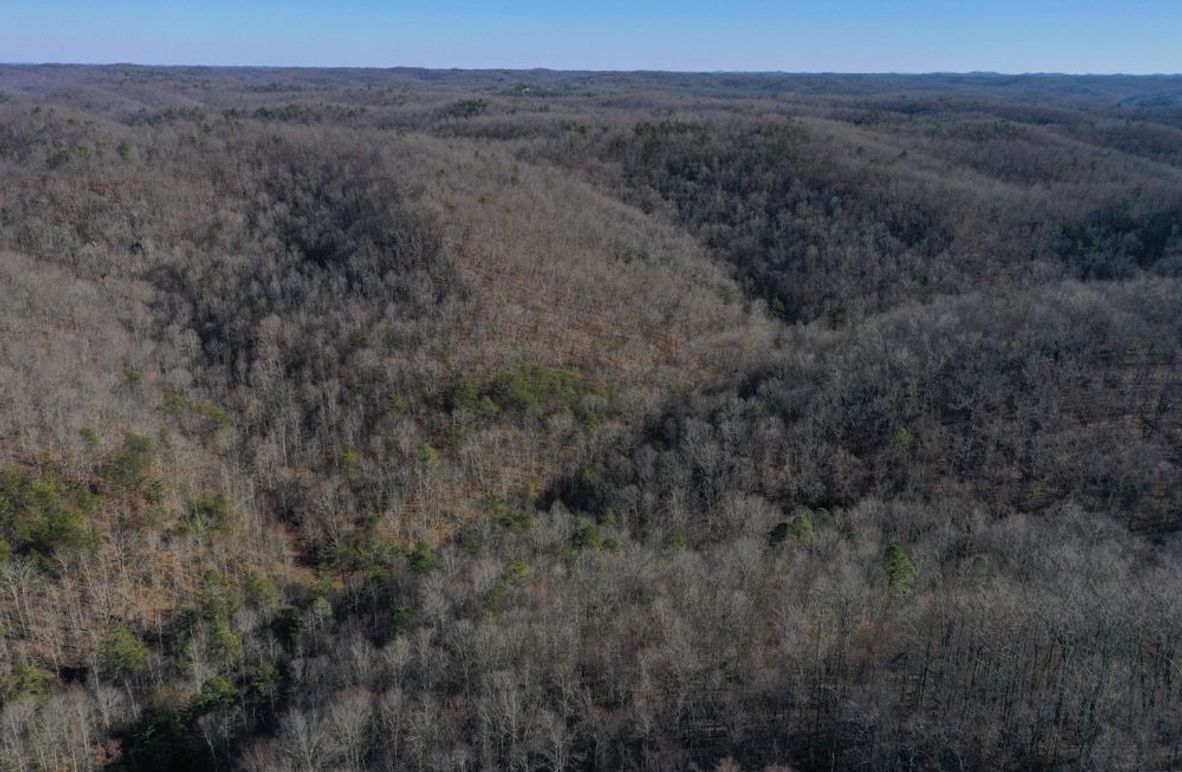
column 407, row 419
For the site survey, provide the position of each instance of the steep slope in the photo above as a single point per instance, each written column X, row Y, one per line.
column 247, row 368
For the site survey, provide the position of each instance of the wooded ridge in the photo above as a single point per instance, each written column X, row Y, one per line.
column 409, row 419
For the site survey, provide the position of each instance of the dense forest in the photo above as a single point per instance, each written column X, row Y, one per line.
column 407, row 419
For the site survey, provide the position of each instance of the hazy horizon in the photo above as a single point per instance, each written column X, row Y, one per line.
column 561, row 70
column 750, row 36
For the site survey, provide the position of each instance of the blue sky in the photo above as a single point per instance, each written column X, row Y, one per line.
column 1135, row 36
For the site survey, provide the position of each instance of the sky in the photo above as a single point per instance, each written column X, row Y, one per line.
column 1073, row 36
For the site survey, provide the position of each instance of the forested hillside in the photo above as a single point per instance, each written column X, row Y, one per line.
column 404, row 419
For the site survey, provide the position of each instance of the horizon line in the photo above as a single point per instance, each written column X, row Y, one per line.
column 609, row 71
